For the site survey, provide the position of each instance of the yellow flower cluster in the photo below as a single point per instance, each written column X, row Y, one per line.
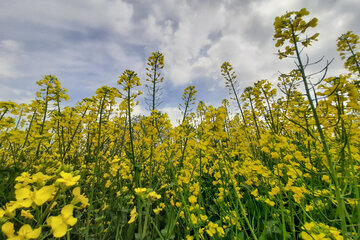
column 25, row 232
column 319, row 231
column 33, row 195
column 213, row 228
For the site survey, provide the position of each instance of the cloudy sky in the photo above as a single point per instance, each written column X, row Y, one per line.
column 89, row 43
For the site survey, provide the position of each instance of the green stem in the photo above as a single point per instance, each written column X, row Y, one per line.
column 332, row 170
column 146, row 219
column 43, row 121
column 231, row 80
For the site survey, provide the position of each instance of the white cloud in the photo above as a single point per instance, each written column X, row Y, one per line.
column 173, row 113
column 7, row 67
column 183, row 48
column 15, row 94
column 10, row 55
column 155, row 31
column 204, row 66
column 139, row 110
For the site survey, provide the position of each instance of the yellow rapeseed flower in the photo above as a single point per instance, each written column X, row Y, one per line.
column 27, row 214
column 68, row 179
column 211, row 229
column 25, row 197
column 67, row 214
column 43, row 195
column 140, row 191
column 10, row 209
column 192, row 199
column 24, row 233
column 59, row 224
column 269, row 202
column 255, row 192
column 153, row 196
column 78, row 197
column 157, row 210
column 325, row 178
column 133, row 215
column 309, row 208
column 40, row 178
column 203, row 217
column 23, row 180
column 193, row 219
column 274, row 191
column 188, row 237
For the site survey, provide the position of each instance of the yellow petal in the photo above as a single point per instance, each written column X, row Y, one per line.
column 25, row 202
column 76, row 191
column 71, row 221
column 22, row 193
column 40, row 178
column 60, row 231
column 34, row 234
column 27, row 214
column 79, row 198
column 67, row 211
column 66, row 175
column 77, row 178
column 2, row 212
column 61, row 180
column 44, row 194
column 26, row 232
column 84, row 201
column 68, row 179
column 58, row 226
column 10, row 209
column 75, row 200
column 133, row 215
column 24, row 177
column 8, row 229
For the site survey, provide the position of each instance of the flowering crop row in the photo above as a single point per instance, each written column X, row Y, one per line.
column 285, row 167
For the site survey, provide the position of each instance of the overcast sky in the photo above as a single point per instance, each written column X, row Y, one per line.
column 89, row 43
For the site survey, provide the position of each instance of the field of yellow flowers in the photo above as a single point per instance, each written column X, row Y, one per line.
column 286, row 166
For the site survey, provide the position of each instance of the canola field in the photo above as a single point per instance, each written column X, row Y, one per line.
column 284, row 165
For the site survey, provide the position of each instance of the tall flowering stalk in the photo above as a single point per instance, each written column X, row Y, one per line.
column 227, row 71
column 189, row 99
column 128, row 80
column 289, row 33
column 155, row 65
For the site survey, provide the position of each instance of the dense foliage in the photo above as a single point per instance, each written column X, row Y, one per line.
column 286, row 166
